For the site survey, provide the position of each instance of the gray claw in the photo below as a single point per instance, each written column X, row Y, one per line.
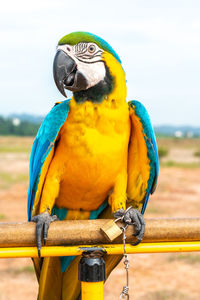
column 137, row 242
column 133, row 217
column 42, row 221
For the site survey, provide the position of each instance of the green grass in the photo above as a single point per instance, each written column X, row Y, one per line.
column 26, row 269
column 8, row 179
column 171, row 163
column 13, row 144
column 166, row 295
column 15, row 149
column 22, row 270
column 186, row 258
column 162, row 152
column 154, row 210
column 2, row 217
column 197, row 153
column 182, row 143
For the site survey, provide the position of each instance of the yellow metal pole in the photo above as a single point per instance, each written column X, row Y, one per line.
column 49, row 251
column 92, row 290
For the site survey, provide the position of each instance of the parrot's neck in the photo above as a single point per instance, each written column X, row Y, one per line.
column 112, row 88
column 119, row 91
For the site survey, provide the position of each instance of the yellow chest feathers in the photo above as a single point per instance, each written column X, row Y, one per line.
column 96, row 128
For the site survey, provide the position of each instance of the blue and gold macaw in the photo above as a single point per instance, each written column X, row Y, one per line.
column 94, row 155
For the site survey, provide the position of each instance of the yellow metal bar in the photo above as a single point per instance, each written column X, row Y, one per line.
column 48, row 251
column 92, row 290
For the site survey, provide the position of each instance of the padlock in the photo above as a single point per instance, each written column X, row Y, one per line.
column 111, row 230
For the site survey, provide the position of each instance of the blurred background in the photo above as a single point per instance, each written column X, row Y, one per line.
column 159, row 45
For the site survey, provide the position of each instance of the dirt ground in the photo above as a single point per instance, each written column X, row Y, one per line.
column 152, row 276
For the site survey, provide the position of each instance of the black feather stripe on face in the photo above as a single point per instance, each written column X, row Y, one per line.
column 96, row 93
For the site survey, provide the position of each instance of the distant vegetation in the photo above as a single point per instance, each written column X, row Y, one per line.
column 187, row 165
column 17, row 127
column 197, row 153
column 162, row 152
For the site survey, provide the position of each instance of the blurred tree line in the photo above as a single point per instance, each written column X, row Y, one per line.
column 22, row 128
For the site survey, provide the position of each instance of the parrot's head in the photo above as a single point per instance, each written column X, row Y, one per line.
column 88, row 66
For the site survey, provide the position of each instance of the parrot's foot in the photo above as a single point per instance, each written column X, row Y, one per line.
column 132, row 216
column 42, row 221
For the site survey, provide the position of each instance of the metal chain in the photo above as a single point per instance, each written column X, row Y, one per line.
column 124, row 294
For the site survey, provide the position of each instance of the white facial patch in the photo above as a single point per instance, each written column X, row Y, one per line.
column 94, row 72
column 88, row 58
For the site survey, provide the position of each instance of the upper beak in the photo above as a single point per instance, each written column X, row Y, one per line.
column 66, row 75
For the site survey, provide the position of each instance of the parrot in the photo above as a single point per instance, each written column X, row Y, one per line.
column 94, row 156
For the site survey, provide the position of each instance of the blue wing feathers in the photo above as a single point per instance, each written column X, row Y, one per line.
column 43, row 144
column 150, row 140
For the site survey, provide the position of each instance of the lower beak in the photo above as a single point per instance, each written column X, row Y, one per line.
column 66, row 75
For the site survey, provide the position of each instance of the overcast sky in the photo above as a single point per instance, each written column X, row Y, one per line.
column 157, row 41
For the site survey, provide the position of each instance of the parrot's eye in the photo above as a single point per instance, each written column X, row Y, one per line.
column 91, row 48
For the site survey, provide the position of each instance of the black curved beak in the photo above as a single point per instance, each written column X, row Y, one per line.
column 66, row 75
